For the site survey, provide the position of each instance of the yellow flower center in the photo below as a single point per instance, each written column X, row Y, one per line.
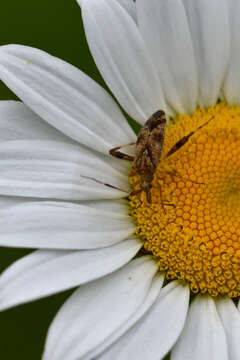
column 192, row 225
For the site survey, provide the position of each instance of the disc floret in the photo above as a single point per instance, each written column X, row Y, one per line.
column 192, row 225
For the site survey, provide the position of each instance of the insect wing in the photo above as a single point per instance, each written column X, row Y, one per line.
column 150, row 140
column 141, row 146
column 156, row 137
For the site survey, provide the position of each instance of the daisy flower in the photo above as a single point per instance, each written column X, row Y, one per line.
column 139, row 263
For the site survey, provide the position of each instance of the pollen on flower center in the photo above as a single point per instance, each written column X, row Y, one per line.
column 192, row 226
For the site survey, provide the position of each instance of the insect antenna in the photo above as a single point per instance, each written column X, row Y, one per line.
column 101, row 182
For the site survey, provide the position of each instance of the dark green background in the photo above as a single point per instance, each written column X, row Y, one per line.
column 56, row 27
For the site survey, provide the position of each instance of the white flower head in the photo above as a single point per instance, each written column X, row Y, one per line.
column 136, row 262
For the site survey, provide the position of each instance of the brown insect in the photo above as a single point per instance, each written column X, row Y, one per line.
column 149, row 147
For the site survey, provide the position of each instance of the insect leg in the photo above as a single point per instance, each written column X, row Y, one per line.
column 161, row 198
column 149, row 196
column 120, row 155
column 136, row 192
column 169, row 204
column 175, row 173
column 184, row 139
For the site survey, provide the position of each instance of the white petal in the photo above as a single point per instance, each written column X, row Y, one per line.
column 154, row 334
column 230, row 317
column 128, row 5
column 165, row 29
column 98, row 309
column 17, row 122
column 60, row 225
column 209, row 26
column 45, row 272
column 203, row 336
column 65, row 97
column 122, row 58
column 118, row 206
column 48, row 169
column 6, row 201
column 150, row 299
column 231, row 86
